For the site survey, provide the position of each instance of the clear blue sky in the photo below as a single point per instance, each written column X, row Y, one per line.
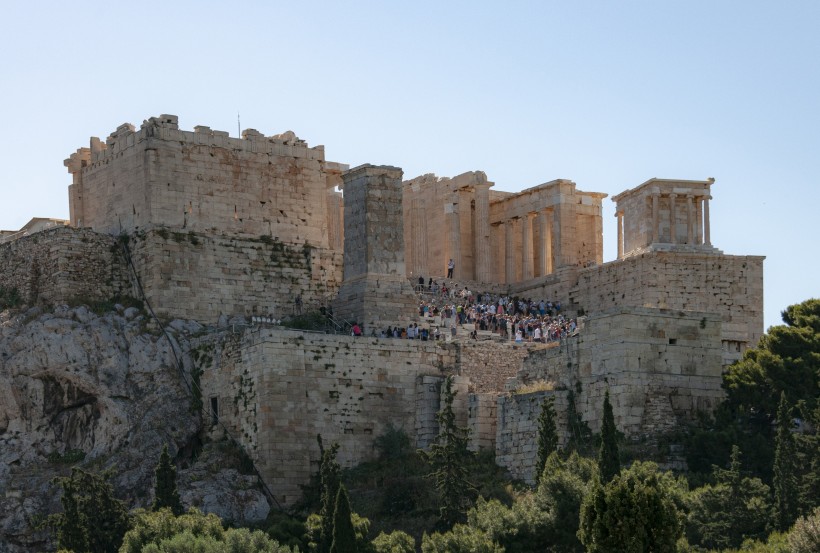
column 607, row 94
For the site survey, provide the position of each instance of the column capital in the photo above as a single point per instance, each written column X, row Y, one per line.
column 673, row 195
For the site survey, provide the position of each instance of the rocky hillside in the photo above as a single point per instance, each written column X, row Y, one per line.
column 101, row 391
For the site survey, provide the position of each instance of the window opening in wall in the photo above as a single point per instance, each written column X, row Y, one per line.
column 673, row 341
column 214, row 410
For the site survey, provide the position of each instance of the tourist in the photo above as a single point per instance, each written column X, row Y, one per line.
column 357, row 330
column 450, row 266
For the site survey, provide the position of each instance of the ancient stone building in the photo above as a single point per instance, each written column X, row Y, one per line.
column 214, row 227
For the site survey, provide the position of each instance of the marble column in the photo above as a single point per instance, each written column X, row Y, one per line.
column 419, row 239
column 498, row 240
column 656, row 222
column 482, row 231
column 620, row 216
column 509, row 254
column 673, row 219
column 548, row 242
column 699, row 220
column 706, row 238
column 690, row 219
column 526, row 246
column 541, row 246
column 454, row 238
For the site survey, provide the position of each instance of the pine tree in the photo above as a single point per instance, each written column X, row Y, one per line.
column 330, row 475
column 547, row 435
column 609, row 464
column 93, row 520
column 165, row 489
column 784, row 481
column 448, row 457
column 344, row 536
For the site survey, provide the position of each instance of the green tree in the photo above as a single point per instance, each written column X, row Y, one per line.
column 330, row 475
column 636, row 512
column 394, row 542
column 193, row 532
column 448, row 458
column 547, row 435
column 165, row 487
column 735, row 509
column 460, row 539
column 93, row 519
column 344, row 536
column 785, row 480
column 580, row 435
column 805, row 535
column 609, row 463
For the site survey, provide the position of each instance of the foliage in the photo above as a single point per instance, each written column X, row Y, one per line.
column 330, row 476
column 70, row 457
column 193, row 532
column 92, row 519
column 448, row 458
column 394, row 542
column 361, row 529
column 547, row 435
column 787, row 360
column 165, row 487
column 784, row 481
column 287, row 530
column 805, row 535
column 635, row 512
column 735, row 509
column 561, row 493
column 608, row 462
column 460, row 539
column 580, row 435
column 393, row 444
column 9, row 298
column 344, row 537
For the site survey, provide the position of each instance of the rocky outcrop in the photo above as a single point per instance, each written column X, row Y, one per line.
column 103, row 391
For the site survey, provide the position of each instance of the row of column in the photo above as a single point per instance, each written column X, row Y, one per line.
column 697, row 230
column 536, row 255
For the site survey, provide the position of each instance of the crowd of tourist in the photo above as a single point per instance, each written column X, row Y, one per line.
column 517, row 319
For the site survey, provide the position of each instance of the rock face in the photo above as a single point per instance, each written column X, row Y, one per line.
column 100, row 388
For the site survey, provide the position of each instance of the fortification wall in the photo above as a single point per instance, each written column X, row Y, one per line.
column 204, row 181
column 64, row 264
column 278, row 389
column 489, row 365
column 661, row 367
column 517, row 430
column 202, row 276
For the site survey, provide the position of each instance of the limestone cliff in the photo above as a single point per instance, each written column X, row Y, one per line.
column 74, row 384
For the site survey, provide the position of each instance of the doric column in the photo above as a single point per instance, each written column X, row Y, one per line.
column 482, row 230
column 655, row 218
column 454, row 237
column 706, row 238
column 541, row 246
column 509, row 254
column 548, row 242
column 690, row 219
column 526, row 246
column 698, row 220
column 673, row 216
column 620, row 216
column 498, row 240
column 419, row 243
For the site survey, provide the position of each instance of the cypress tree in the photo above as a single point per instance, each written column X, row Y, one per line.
column 448, row 458
column 72, row 525
column 609, row 464
column 165, row 488
column 784, row 481
column 344, row 536
column 547, row 435
column 330, row 475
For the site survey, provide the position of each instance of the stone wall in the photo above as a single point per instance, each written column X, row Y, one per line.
column 202, row 276
column 661, row 367
column 516, row 446
column 489, row 365
column 64, row 264
column 278, row 389
column 203, row 181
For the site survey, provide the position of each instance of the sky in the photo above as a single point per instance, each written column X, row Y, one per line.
column 607, row 94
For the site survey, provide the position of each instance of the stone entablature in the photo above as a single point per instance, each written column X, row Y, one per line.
column 664, row 212
column 205, row 181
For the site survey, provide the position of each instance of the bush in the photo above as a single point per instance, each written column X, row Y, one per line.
column 9, row 298
column 395, row 542
column 805, row 534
